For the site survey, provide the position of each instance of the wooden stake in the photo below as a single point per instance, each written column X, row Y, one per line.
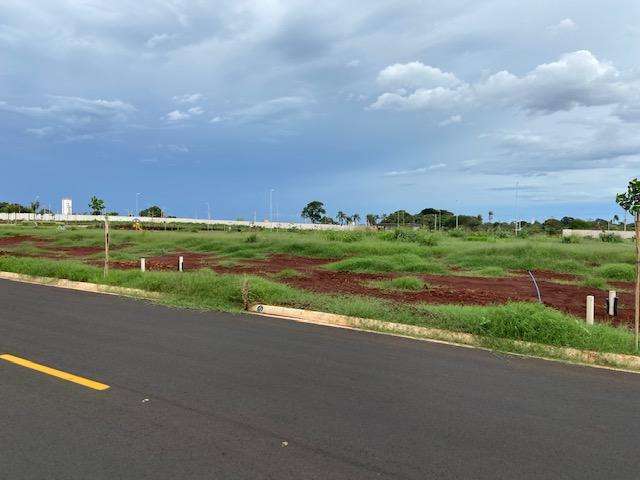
column 106, row 245
column 637, row 310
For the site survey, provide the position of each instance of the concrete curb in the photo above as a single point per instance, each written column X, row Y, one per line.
column 599, row 359
column 82, row 286
column 615, row 361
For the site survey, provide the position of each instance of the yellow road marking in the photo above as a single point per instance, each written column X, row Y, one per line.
column 54, row 373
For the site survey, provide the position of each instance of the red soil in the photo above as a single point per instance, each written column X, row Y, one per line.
column 454, row 289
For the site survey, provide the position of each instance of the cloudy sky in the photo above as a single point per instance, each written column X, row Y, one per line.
column 368, row 106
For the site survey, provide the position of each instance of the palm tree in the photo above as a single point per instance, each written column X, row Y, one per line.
column 490, row 216
column 341, row 217
column 355, row 218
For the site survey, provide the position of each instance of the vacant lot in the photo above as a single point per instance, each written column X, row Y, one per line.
column 459, row 281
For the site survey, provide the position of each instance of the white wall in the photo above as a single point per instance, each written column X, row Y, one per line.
column 10, row 217
column 567, row 232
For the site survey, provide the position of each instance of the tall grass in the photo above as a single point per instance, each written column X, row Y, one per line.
column 206, row 289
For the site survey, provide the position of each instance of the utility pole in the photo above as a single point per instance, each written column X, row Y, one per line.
column 517, row 219
column 106, row 245
column 271, row 190
column 137, row 212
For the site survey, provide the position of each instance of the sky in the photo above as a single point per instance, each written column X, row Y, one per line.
column 368, row 106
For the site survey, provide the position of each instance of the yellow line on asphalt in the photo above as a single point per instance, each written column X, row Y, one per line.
column 54, row 373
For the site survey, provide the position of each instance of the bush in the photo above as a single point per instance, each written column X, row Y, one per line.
column 610, row 238
column 457, row 233
column 401, row 283
column 571, row 239
column 617, row 271
column 252, row 238
column 388, row 263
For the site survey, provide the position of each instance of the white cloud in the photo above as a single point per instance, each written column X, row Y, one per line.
column 276, row 109
column 196, row 111
column 415, row 171
column 563, row 26
column 174, row 148
column 451, row 120
column 575, row 79
column 176, row 116
column 188, row 98
column 40, row 132
column 75, row 110
column 415, row 75
column 353, row 63
column 159, row 39
column 216, row 119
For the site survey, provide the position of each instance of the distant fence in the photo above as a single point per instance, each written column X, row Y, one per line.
column 568, row 232
column 49, row 217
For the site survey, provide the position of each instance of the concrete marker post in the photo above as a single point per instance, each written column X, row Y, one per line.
column 591, row 303
column 143, row 264
column 612, row 301
column 180, row 263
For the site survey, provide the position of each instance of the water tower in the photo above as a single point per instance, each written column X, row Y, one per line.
column 67, row 206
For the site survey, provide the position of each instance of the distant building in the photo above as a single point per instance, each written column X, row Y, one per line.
column 67, row 206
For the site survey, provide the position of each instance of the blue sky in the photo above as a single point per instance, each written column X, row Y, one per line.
column 367, row 106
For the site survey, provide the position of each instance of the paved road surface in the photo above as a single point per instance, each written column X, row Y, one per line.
column 218, row 396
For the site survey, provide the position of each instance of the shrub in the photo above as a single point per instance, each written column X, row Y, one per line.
column 252, row 238
column 617, row 271
column 571, row 239
column 610, row 238
column 457, row 233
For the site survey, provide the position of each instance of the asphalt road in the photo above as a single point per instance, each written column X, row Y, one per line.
column 199, row 395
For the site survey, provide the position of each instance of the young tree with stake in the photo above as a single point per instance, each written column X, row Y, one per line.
column 630, row 202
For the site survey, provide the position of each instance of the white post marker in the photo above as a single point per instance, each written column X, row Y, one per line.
column 180, row 263
column 612, row 301
column 591, row 303
column 143, row 265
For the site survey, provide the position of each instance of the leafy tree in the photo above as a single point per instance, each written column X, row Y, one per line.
column 96, row 205
column 153, row 211
column 630, row 201
column 372, row 219
column 433, row 211
column 314, row 211
column 552, row 226
column 399, row 217
column 33, row 206
column 327, row 220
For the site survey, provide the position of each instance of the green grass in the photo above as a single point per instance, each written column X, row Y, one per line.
column 392, row 263
column 286, row 273
column 400, row 283
column 617, row 271
column 397, row 250
column 208, row 290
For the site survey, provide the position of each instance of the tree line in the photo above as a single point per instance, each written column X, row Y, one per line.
column 435, row 218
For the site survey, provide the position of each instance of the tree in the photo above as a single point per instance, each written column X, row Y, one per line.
column 314, row 211
column 630, row 201
column 33, row 206
column 341, row 217
column 355, row 218
column 490, row 220
column 372, row 219
column 96, row 205
column 153, row 211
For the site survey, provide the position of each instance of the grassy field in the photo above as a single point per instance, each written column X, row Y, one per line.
column 396, row 251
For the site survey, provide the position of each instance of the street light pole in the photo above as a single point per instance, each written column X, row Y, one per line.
column 271, row 204
column 137, row 212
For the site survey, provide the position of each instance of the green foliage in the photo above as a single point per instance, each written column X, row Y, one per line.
column 610, row 237
column 314, row 211
column 96, row 205
column 287, row 273
column 153, row 211
column 617, row 271
column 401, row 283
column 251, row 238
column 571, row 239
column 391, row 263
column 630, row 200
